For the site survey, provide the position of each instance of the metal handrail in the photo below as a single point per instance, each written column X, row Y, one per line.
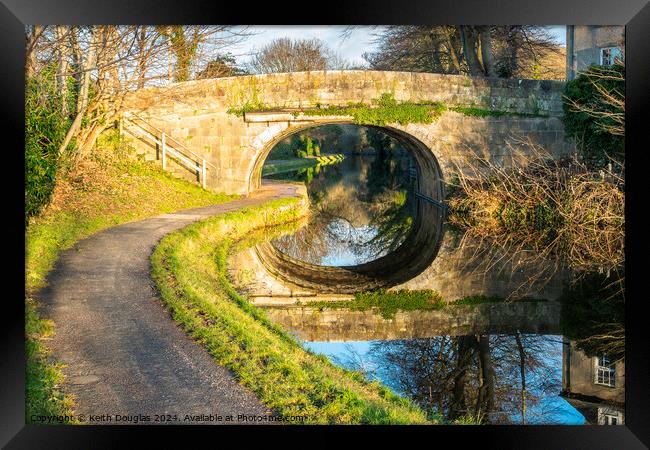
column 180, row 144
column 439, row 204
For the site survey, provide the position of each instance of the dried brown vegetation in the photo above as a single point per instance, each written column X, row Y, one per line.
column 536, row 211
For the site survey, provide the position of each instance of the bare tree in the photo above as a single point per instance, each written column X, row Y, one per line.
column 504, row 51
column 63, row 58
column 87, row 62
column 107, row 61
column 34, row 33
column 299, row 55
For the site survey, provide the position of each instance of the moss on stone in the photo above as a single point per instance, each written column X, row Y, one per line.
column 385, row 110
column 388, row 303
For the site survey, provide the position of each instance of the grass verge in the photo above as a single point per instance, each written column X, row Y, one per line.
column 107, row 189
column 189, row 267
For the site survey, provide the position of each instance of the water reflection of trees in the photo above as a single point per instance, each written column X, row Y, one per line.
column 492, row 378
column 593, row 315
column 389, row 188
column 360, row 206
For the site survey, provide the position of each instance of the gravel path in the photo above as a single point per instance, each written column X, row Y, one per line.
column 124, row 355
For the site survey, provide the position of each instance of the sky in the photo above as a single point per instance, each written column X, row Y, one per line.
column 360, row 41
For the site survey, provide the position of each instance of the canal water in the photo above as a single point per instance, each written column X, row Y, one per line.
column 361, row 209
column 564, row 369
column 427, row 371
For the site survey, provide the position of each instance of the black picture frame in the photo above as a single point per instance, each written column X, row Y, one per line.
column 635, row 14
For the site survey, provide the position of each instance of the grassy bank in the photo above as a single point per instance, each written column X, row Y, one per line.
column 189, row 267
column 109, row 188
column 289, row 165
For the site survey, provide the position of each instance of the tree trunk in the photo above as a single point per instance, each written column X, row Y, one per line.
column 459, row 402
column 485, row 400
column 63, row 54
column 486, row 51
column 452, row 45
column 142, row 56
column 513, row 62
column 87, row 65
column 469, row 42
column 435, row 53
column 30, row 49
column 90, row 139
column 522, row 373
column 170, row 57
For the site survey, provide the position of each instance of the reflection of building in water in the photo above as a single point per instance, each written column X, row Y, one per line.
column 594, row 386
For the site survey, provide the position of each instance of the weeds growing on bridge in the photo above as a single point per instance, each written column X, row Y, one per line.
column 383, row 111
column 386, row 110
column 482, row 112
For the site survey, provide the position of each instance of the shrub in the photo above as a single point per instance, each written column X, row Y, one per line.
column 594, row 113
column 593, row 315
column 545, row 207
column 45, row 128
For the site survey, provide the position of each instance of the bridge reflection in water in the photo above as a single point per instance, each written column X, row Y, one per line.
column 336, row 325
column 376, row 222
column 500, row 362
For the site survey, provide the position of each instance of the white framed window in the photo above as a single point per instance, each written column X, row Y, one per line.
column 610, row 55
column 605, row 371
column 607, row 416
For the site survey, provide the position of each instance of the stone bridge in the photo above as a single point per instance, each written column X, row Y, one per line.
column 206, row 116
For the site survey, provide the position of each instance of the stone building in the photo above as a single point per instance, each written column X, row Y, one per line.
column 594, row 386
column 592, row 44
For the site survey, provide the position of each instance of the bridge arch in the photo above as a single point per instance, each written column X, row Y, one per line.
column 430, row 181
column 412, row 257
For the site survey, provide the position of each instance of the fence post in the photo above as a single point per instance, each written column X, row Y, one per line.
column 164, row 153
column 203, row 174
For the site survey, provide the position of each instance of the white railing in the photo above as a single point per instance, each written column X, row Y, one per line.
column 176, row 150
